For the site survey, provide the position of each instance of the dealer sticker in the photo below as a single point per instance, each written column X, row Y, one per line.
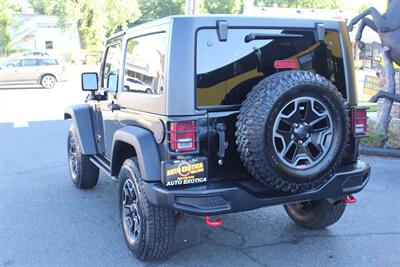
column 184, row 172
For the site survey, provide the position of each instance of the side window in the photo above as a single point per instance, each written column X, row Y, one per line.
column 111, row 67
column 49, row 61
column 30, row 62
column 14, row 64
column 144, row 64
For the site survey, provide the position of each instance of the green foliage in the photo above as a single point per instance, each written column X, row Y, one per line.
column 5, row 22
column 62, row 9
column 373, row 107
column 155, row 9
column 222, row 6
column 300, row 3
column 96, row 19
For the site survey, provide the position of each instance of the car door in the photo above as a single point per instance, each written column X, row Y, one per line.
column 9, row 71
column 30, row 70
column 107, row 109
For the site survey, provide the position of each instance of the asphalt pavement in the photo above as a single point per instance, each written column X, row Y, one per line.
column 46, row 221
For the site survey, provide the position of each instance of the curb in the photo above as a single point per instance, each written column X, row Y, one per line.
column 380, row 152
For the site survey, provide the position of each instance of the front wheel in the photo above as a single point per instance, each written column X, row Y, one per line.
column 48, row 81
column 84, row 173
column 149, row 230
column 315, row 214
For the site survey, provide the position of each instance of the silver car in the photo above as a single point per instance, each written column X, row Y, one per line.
column 33, row 69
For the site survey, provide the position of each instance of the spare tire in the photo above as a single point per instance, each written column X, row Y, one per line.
column 292, row 130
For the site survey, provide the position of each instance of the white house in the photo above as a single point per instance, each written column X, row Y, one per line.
column 42, row 32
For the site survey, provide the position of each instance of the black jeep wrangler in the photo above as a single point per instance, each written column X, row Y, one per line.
column 242, row 113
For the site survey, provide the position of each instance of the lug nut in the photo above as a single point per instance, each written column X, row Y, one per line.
column 305, row 124
column 292, row 136
column 295, row 125
column 300, row 142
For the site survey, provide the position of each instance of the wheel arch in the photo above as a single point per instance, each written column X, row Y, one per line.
column 131, row 141
column 82, row 121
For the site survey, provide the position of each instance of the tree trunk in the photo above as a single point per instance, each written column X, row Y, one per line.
column 390, row 86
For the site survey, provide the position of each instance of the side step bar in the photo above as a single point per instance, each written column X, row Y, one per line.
column 103, row 165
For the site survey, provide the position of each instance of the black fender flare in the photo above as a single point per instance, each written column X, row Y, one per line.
column 146, row 150
column 82, row 119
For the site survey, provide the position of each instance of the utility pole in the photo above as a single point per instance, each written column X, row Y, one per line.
column 192, row 7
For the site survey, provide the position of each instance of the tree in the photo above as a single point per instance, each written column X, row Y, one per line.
column 300, row 3
column 96, row 19
column 222, row 6
column 5, row 22
column 155, row 9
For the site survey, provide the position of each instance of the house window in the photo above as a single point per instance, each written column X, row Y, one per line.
column 49, row 44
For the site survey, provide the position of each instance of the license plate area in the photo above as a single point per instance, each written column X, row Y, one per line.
column 184, row 171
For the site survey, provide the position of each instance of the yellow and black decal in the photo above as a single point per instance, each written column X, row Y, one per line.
column 184, row 172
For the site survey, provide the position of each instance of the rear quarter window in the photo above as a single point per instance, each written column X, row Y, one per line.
column 227, row 71
column 49, row 62
column 144, row 63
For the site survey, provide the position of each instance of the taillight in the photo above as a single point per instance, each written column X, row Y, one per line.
column 359, row 122
column 286, row 64
column 183, row 136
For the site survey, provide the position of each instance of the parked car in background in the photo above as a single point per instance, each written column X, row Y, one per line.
column 46, row 71
column 134, row 84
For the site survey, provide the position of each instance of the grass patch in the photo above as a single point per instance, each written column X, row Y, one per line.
column 373, row 107
column 376, row 139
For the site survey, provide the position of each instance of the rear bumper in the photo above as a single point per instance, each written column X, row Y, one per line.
column 241, row 195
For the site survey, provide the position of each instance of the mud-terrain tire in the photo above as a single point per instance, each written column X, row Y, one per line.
column 149, row 230
column 84, row 173
column 265, row 135
column 316, row 214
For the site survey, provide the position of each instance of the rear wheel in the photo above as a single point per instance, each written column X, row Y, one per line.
column 149, row 230
column 316, row 214
column 48, row 81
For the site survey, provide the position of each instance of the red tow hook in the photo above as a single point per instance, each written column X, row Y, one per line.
column 349, row 199
column 210, row 222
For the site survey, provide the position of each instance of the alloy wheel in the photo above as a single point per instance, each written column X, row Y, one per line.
column 303, row 133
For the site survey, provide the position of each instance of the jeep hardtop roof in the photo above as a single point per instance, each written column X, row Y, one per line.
column 181, row 56
column 236, row 21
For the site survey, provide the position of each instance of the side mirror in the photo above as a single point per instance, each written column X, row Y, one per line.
column 90, row 81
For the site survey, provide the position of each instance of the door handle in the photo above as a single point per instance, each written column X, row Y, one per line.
column 112, row 106
column 221, row 128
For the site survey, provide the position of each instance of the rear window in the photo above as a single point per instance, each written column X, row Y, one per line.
column 226, row 71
